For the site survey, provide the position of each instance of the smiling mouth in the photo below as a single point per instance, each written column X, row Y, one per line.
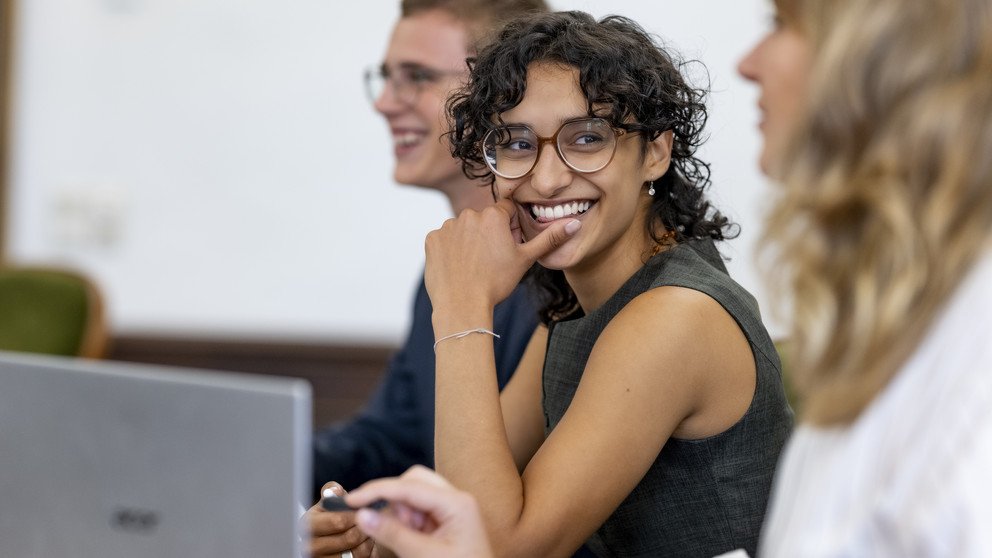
column 548, row 213
column 408, row 139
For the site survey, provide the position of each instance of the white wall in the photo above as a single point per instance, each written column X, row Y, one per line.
column 215, row 165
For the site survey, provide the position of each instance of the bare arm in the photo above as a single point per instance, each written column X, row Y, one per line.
column 473, row 262
column 619, row 420
column 520, row 402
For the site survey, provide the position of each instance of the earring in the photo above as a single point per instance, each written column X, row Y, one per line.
column 651, row 188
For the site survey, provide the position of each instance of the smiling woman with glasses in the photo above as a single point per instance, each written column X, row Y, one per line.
column 648, row 412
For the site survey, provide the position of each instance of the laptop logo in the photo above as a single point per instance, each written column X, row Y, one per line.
column 134, row 520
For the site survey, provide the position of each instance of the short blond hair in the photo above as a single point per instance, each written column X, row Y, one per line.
column 888, row 188
column 483, row 18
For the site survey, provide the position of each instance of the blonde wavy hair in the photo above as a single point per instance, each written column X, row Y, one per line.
column 887, row 198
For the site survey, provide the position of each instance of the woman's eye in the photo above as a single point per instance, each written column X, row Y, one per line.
column 587, row 139
column 519, row 145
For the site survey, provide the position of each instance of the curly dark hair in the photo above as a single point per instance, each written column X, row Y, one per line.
column 627, row 78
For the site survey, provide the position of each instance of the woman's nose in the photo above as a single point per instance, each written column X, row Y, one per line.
column 550, row 174
column 748, row 66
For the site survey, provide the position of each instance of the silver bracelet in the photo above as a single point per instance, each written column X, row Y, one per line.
column 465, row 333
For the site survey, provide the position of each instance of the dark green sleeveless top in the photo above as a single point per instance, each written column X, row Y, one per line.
column 700, row 497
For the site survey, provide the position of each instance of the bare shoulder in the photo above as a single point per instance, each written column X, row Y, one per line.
column 664, row 332
column 688, row 344
column 676, row 312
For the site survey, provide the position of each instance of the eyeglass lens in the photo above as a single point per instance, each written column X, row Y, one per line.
column 406, row 82
column 585, row 145
column 375, row 82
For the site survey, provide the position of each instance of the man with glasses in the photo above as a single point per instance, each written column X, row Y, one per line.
column 423, row 64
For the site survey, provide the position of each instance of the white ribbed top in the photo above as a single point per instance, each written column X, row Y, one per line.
column 913, row 475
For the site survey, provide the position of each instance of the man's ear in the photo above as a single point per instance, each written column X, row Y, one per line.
column 658, row 157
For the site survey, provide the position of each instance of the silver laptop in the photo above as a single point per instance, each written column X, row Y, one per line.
column 104, row 459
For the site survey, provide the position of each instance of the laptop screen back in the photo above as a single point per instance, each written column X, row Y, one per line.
column 102, row 459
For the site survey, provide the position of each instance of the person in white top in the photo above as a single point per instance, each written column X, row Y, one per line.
column 877, row 121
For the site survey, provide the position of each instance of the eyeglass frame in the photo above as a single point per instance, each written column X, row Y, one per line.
column 378, row 71
column 542, row 140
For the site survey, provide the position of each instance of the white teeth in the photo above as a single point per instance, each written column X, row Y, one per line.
column 407, row 139
column 559, row 211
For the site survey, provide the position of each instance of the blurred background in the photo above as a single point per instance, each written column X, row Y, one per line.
column 215, row 168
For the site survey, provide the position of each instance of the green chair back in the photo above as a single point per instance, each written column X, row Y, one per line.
column 50, row 311
column 784, row 354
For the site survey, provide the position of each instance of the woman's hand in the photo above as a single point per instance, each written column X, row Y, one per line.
column 334, row 533
column 426, row 517
column 479, row 257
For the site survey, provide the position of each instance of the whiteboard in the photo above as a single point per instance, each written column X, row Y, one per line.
column 215, row 166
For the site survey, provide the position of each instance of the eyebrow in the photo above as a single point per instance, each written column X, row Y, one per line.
column 432, row 71
column 414, row 66
column 561, row 121
column 404, row 66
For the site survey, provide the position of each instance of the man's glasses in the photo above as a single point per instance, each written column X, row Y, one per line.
column 408, row 80
column 585, row 145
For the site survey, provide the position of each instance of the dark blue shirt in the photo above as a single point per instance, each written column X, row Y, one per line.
column 395, row 430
